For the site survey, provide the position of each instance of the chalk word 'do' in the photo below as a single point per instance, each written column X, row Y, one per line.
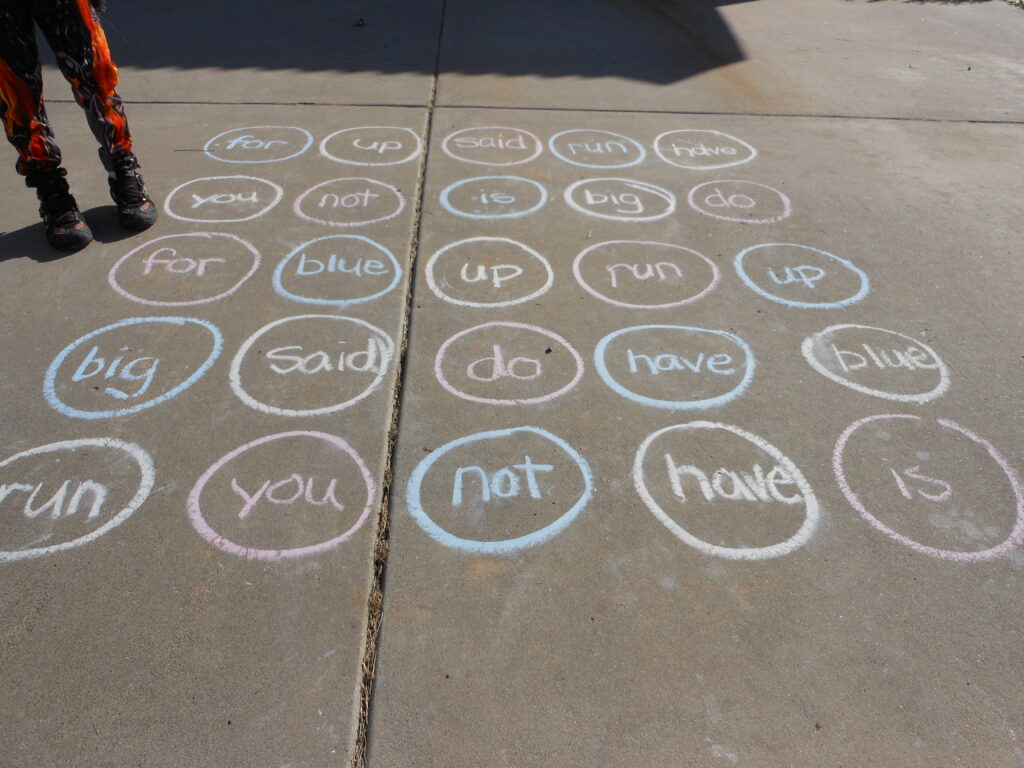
column 589, row 148
column 488, row 272
column 494, row 197
column 222, row 199
column 349, row 202
column 744, row 201
column 645, row 275
column 620, row 199
column 702, row 150
column 333, row 359
column 801, row 276
column 654, row 364
column 499, row 483
column 318, row 501
column 930, row 486
column 372, row 145
column 259, row 144
column 686, row 477
column 75, row 498
column 526, row 363
column 909, row 372
column 337, row 270
column 114, row 366
column 493, row 146
column 163, row 271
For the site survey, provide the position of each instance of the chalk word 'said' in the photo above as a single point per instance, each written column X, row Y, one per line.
column 494, row 197
column 654, row 364
column 184, row 270
column 71, row 500
column 488, row 272
column 505, row 363
column 746, row 202
column 498, row 146
column 372, row 145
column 589, row 148
column 259, row 144
column 349, row 202
column 800, row 276
column 639, row 274
column 499, row 483
column 310, row 502
column 675, row 476
column 222, row 199
column 620, row 199
column 311, row 365
column 878, row 362
column 702, row 150
column 130, row 366
column 915, row 486
column 337, row 270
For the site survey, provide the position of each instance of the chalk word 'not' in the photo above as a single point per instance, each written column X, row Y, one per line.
column 746, row 202
column 103, row 369
column 620, row 199
column 470, row 272
column 291, row 492
column 259, row 144
column 754, row 489
column 807, row 271
column 75, row 498
column 372, row 145
column 349, row 202
column 494, row 197
column 493, row 146
column 518, row 477
column 702, row 150
column 175, row 265
column 349, row 269
column 879, row 360
column 1014, row 540
column 222, row 199
column 591, row 148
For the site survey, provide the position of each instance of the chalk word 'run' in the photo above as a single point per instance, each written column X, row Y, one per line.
column 498, row 146
column 469, row 272
column 746, row 202
column 372, row 145
column 350, row 269
column 702, row 150
column 590, row 148
column 222, row 199
column 259, row 144
column 616, row 199
column 807, row 271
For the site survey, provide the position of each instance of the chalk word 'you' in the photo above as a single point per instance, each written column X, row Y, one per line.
column 702, row 150
column 222, row 199
column 337, row 270
column 488, row 272
column 746, row 202
column 496, row 146
column 589, row 148
column 620, row 199
column 801, row 276
column 349, row 202
column 259, row 144
column 493, row 197
column 372, row 145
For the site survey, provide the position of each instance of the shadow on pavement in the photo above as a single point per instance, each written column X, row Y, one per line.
column 29, row 242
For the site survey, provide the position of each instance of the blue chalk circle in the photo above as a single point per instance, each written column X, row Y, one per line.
column 493, row 198
column 507, row 546
column 254, row 143
column 808, row 274
column 330, row 269
column 602, row 146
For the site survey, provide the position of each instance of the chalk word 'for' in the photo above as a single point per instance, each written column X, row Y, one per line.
column 372, row 145
column 345, row 490
column 349, row 202
column 259, row 144
column 702, row 150
column 591, row 148
column 744, row 201
column 762, row 488
column 937, row 491
column 114, row 373
column 488, row 272
column 692, row 361
column 510, row 473
column 39, row 506
column 881, row 361
column 493, row 146
column 799, row 273
column 645, row 275
column 514, row 358
column 222, row 199
column 620, row 199
column 337, row 270
column 494, row 197
column 192, row 263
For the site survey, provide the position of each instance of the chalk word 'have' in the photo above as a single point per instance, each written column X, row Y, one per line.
column 372, row 145
column 702, row 150
column 259, row 144
column 222, row 199
column 337, row 270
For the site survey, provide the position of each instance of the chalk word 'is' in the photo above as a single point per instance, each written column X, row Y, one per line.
column 349, row 202
column 259, row 144
column 493, row 197
column 372, row 145
column 496, row 146
column 222, row 199
column 590, row 148
column 620, row 199
column 337, row 270
column 744, row 201
column 801, row 276
column 702, row 150
column 488, row 272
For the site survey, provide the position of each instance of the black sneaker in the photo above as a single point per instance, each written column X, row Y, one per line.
column 66, row 228
column 135, row 210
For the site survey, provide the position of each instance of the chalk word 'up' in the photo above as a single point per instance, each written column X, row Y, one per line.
column 372, row 145
column 620, row 199
column 349, row 202
column 337, row 270
column 801, row 276
column 259, row 144
column 493, row 197
column 744, row 201
column 488, row 272
column 702, row 150
column 493, row 146
column 222, row 199
column 591, row 148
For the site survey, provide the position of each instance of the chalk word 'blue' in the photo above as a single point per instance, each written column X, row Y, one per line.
column 865, row 286
column 447, row 205
column 282, row 291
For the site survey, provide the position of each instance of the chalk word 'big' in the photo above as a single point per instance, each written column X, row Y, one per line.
column 620, row 199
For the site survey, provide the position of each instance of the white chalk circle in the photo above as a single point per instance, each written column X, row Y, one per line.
column 808, row 275
column 495, row 203
column 524, row 145
column 583, row 144
column 259, row 144
column 802, row 536
column 745, row 202
column 620, row 199
column 376, row 262
column 357, row 148
column 493, row 274
column 702, row 150
column 917, row 356
column 361, row 201
column 135, row 453
column 248, row 196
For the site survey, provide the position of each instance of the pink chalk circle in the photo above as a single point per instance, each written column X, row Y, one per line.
column 738, row 200
column 538, row 145
column 449, row 387
column 1011, row 542
column 195, row 512
column 577, row 270
column 112, row 277
column 380, row 185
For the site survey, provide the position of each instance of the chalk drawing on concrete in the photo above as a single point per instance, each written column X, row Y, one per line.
column 368, row 273
column 616, row 199
column 809, row 270
column 258, row 144
column 494, row 197
column 222, row 199
column 493, row 145
column 374, row 149
column 702, row 150
column 604, row 149
column 517, row 263
column 745, row 202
